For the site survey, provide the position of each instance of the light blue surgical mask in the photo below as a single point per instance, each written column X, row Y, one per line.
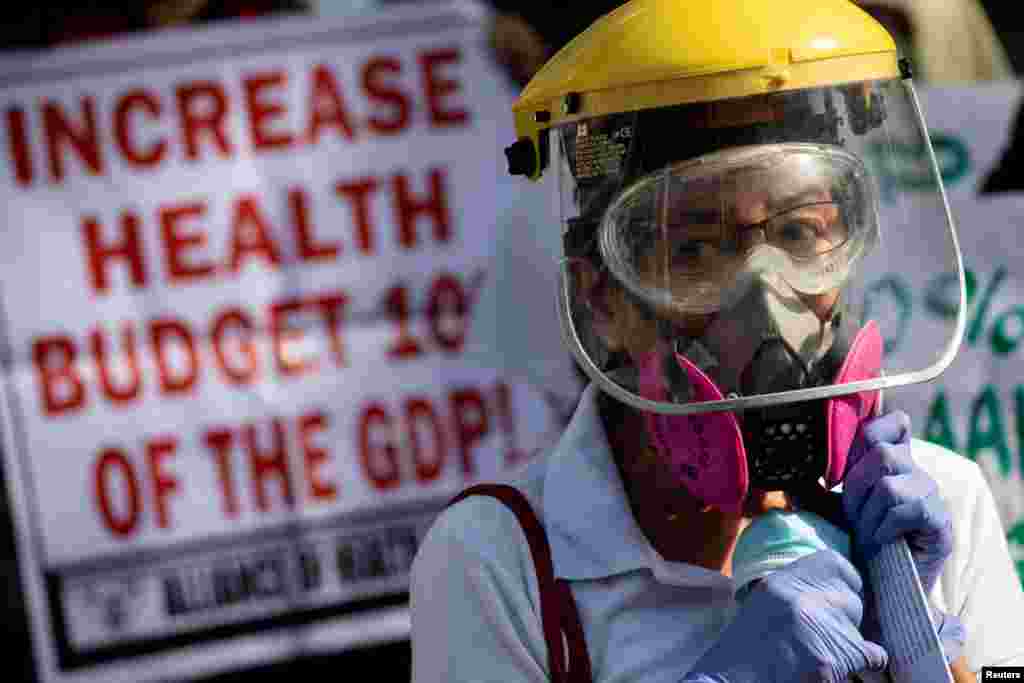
column 778, row 538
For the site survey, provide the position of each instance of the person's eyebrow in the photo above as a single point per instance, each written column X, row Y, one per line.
column 696, row 216
column 807, row 195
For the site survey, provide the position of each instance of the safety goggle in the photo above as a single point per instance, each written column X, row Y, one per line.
column 683, row 237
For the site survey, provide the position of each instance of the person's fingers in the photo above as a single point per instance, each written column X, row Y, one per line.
column 825, row 567
column 883, row 460
column 899, row 493
column 893, row 427
column 875, row 657
column 849, row 603
column 925, row 518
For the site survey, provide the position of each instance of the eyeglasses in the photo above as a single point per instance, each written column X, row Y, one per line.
column 804, row 232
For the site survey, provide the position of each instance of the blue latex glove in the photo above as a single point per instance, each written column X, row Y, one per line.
column 887, row 496
column 951, row 634
column 799, row 623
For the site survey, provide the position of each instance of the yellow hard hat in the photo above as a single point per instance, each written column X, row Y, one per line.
column 654, row 53
column 723, row 173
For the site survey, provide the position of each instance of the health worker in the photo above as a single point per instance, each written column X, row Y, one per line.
column 717, row 168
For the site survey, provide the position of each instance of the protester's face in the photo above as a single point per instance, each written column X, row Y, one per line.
column 714, row 230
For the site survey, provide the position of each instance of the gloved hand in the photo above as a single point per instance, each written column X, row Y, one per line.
column 951, row 634
column 887, row 496
column 799, row 624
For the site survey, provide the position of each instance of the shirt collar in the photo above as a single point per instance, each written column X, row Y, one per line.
column 590, row 526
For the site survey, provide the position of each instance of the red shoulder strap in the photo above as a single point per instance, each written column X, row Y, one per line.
column 559, row 615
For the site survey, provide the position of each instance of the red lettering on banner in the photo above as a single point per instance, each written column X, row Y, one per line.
column 118, row 486
column 113, row 461
column 183, row 235
column 194, row 121
column 126, row 358
column 408, row 209
column 331, row 307
column 262, row 112
column 268, row 464
column 378, row 453
column 176, row 241
column 309, row 249
column 250, row 235
column 436, row 88
column 358, row 192
column 407, row 444
column 174, row 381
column 469, row 413
column 191, row 120
column 380, row 89
column 61, row 387
column 148, row 104
column 163, row 483
column 314, row 457
column 292, row 324
column 507, row 419
column 84, row 138
column 178, row 350
column 425, row 432
column 17, row 139
column 448, row 313
column 223, row 324
column 326, row 106
column 128, row 248
column 282, row 334
column 219, row 443
column 420, row 413
column 405, row 346
column 128, row 491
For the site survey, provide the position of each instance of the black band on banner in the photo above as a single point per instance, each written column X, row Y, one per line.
column 70, row 659
column 207, row 596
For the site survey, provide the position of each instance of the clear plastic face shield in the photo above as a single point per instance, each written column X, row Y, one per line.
column 723, row 257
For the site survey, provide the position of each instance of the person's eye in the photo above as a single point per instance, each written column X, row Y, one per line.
column 693, row 253
column 797, row 232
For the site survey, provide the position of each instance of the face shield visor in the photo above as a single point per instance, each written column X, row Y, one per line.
column 729, row 256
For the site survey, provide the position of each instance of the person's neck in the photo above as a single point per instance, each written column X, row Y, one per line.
column 677, row 525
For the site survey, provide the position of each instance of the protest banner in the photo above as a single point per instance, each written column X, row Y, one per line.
column 975, row 408
column 239, row 271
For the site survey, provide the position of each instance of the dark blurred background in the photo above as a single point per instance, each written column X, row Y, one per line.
column 1009, row 26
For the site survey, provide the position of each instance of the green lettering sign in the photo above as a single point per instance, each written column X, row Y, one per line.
column 1016, row 538
column 942, row 294
column 939, row 426
column 906, row 167
column 986, row 430
column 890, row 290
column 1007, row 331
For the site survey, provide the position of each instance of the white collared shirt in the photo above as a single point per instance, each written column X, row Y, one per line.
column 476, row 608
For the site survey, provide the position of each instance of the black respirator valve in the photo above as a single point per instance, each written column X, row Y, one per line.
column 787, row 445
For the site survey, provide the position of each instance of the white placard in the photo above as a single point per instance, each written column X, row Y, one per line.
column 238, row 275
column 975, row 408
